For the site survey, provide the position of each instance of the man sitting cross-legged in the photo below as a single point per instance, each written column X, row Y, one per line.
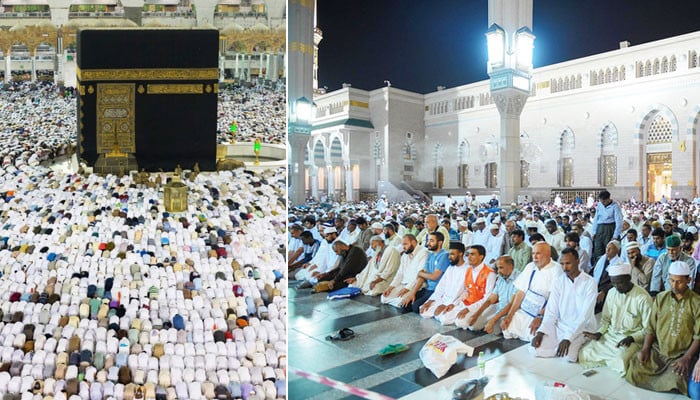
column 625, row 315
column 569, row 311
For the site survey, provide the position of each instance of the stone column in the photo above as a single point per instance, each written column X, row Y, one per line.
column 204, row 10
column 313, row 180
column 331, row 180
column 296, row 182
column 8, row 67
column 510, row 104
column 348, row 182
column 34, row 68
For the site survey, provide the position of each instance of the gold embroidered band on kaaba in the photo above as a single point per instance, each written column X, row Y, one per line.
column 148, row 74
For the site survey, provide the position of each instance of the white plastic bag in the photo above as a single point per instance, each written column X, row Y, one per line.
column 440, row 353
column 558, row 391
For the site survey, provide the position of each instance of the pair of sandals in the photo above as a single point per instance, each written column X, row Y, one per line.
column 342, row 335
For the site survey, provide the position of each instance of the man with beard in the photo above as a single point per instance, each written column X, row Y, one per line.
column 435, row 266
column 672, row 339
column 390, row 237
column 520, row 252
column 325, row 260
column 375, row 278
column 660, row 277
column 479, row 282
column 365, row 233
column 498, row 302
column 352, row 260
column 534, row 285
column 625, row 315
column 569, row 311
column 450, row 288
column 642, row 266
column 405, row 283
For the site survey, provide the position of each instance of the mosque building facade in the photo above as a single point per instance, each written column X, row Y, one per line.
column 626, row 120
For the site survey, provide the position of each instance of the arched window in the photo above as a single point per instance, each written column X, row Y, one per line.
column 692, row 59
column 594, row 78
column 566, row 160
column 673, row 64
column 615, row 75
column 647, row 68
column 622, row 73
column 640, row 69
column 656, row 66
column 578, row 81
column 608, row 76
column 607, row 171
column 664, row 65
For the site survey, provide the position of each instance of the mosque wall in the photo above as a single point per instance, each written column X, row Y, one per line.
column 592, row 122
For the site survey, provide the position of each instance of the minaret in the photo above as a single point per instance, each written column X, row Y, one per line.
column 318, row 36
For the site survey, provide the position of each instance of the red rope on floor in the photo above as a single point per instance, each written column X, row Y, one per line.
column 365, row 394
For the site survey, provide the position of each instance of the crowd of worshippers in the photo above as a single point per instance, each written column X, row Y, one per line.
column 256, row 112
column 104, row 294
column 607, row 285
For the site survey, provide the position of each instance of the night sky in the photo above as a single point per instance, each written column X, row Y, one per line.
column 420, row 44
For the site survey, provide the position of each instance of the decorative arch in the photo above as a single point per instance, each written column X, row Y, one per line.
column 648, row 117
column 567, row 145
column 607, row 166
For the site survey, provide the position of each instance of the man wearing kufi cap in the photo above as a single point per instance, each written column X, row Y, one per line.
column 600, row 272
column 660, row 276
column 672, row 337
column 625, row 315
column 379, row 272
column 325, row 260
column 642, row 266
column 465, row 235
column 481, row 233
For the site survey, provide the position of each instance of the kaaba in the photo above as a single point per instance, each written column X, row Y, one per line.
column 147, row 98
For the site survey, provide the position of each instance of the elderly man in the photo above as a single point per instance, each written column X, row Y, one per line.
column 431, row 225
column 625, row 316
column 554, row 236
column 375, row 278
column 450, row 288
column 352, row 260
column 480, row 234
column 534, row 285
column 520, row 252
column 660, row 277
column 607, row 223
column 350, row 234
column 642, row 266
column 487, row 316
column 404, row 282
column 507, row 236
column 465, row 235
column 478, row 283
column 569, row 311
column 672, row 339
column 325, row 260
column 600, row 272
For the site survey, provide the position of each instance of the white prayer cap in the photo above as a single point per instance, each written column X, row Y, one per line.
column 464, row 224
column 531, row 224
column 376, row 225
column 494, row 226
column 616, row 243
column 679, row 268
column 330, row 229
column 619, row 269
column 632, row 245
column 692, row 230
column 480, row 220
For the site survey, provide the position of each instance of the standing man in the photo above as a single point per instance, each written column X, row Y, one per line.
column 569, row 311
column 607, row 223
column 625, row 316
column 534, row 285
column 672, row 339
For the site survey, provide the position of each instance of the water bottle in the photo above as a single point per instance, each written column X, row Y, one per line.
column 481, row 362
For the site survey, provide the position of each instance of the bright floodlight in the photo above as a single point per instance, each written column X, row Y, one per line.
column 303, row 110
column 496, row 43
column 524, row 43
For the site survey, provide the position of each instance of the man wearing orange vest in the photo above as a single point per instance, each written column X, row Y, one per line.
column 450, row 287
column 478, row 282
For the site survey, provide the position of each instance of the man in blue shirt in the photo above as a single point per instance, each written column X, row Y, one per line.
column 658, row 244
column 437, row 262
column 607, row 224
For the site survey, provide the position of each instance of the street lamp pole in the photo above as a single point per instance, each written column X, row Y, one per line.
column 510, row 43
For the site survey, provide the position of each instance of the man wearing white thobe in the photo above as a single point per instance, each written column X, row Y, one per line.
column 569, row 311
column 534, row 285
column 450, row 287
column 412, row 261
column 380, row 270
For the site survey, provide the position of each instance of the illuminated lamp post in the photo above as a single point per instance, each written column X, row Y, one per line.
column 509, row 67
